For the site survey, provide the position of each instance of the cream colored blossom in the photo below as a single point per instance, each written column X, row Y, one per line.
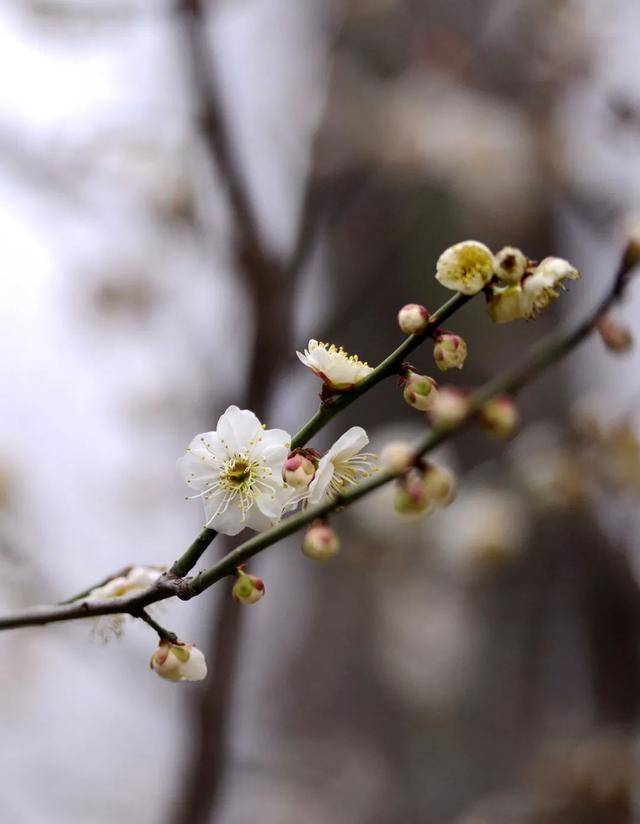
column 337, row 369
column 179, row 662
column 466, row 267
column 542, row 285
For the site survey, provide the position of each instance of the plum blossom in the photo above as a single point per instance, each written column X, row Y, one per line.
column 466, row 267
column 136, row 579
column 179, row 662
column 237, row 472
column 342, row 466
column 336, row 368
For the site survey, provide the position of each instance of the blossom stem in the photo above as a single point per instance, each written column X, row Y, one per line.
column 389, row 367
column 164, row 634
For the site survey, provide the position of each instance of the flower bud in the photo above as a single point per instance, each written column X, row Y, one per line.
column 179, row 662
column 450, row 408
column 298, row 471
column 424, row 489
column 510, row 265
column 397, row 456
column 439, row 484
column 413, row 319
column 615, row 336
column 499, row 417
column 466, row 267
column 248, row 589
column 419, row 391
column 450, row 351
column 411, row 497
column 506, row 304
column 321, row 542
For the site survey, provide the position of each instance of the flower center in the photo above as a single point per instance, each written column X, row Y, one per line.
column 237, row 472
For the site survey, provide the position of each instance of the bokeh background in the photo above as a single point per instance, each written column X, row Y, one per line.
column 188, row 192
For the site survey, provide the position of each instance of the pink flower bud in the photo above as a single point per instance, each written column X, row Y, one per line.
column 615, row 336
column 298, row 471
column 499, row 417
column 413, row 319
column 321, row 542
column 449, row 409
column 450, row 351
column 419, row 391
column 248, row 589
column 425, row 489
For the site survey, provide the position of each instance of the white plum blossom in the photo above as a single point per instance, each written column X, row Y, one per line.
column 543, row 283
column 179, row 662
column 136, row 579
column 336, row 368
column 237, row 471
column 466, row 267
column 342, row 466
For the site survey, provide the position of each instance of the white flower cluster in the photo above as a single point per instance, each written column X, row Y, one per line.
column 241, row 471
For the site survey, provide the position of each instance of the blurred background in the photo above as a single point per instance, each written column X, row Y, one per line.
column 189, row 191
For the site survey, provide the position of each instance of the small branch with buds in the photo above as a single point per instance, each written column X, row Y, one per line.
column 468, row 409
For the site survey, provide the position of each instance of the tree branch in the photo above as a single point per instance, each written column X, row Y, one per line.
column 552, row 349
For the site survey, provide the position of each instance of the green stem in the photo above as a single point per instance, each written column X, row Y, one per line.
column 190, row 557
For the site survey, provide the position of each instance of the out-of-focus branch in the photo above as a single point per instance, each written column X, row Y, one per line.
column 549, row 352
column 193, row 17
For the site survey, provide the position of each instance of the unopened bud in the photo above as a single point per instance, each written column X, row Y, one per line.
column 615, row 336
column 419, row 391
column 449, row 409
column 321, row 542
column 499, row 417
column 248, row 589
column 424, row 489
column 439, row 484
column 179, row 662
column 413, row 319
column 411, row 497
column 397, row 456
column 298, row 471
column 450, row 351
column 510, row 265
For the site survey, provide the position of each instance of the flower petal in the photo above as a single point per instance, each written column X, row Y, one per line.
column 349, row 444
column 236, row 427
